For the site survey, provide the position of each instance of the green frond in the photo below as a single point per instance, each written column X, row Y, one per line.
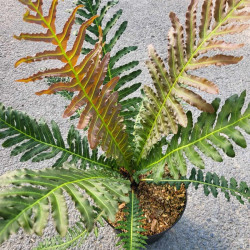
column 211, row 131
column 74, row 238
column 28, row 197
column 162, row 110
column 132, row 239
column 36, row 141
column 91, row 9
column 211, row 183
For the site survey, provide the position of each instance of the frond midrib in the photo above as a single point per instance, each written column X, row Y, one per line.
column 132, row 219
column 182, row 71
column 198, row 140
column 55, row 146
column 79, row 82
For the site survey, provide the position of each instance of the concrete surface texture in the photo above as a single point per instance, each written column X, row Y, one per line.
column 207, row 223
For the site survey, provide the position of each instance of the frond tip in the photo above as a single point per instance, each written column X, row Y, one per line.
column 98, row 102
column 163, row 111
column 74, row 238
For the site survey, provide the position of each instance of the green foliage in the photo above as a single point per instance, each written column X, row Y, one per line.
column 162, row 110
column 27, row 197
column 212, row 131
column 211, row 183
column 132, row 238
column 36, row 141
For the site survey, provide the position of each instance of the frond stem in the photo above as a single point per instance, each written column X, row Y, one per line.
column 132, row 218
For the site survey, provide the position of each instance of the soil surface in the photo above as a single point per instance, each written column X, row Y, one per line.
column 161, row 206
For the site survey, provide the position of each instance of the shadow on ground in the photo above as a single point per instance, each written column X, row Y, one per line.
column 187, row 235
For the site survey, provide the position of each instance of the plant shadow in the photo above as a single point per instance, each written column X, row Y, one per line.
column 187, row 235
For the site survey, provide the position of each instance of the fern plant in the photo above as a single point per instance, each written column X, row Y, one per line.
column 128, row 140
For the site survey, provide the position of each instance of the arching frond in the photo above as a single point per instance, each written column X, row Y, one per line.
column 211, row 183
column 212, row 131
column 162, row 111
column 27, row 197
column 128, row 71
column 36, row 141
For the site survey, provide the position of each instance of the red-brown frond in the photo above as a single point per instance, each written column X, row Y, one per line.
column 96, row 102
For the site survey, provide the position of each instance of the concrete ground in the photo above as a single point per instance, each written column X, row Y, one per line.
column 207, row 223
